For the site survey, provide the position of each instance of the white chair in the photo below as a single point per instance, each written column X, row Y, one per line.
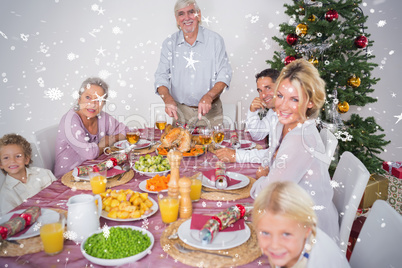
column 330, row 143
column 45, row 140
column 229, row 112
column 380, row 239
column 36, row 158
column 352, row 177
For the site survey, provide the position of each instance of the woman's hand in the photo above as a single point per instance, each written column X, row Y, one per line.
column 261, row 172
column 226, row 155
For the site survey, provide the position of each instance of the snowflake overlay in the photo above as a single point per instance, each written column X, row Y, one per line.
column 145, row 224
column 106, row 231
column 54, row 94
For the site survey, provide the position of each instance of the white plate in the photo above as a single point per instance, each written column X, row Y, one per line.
column 152, row 174
column 46, row 214
column 118, row 262
column 244, row 181
column 153, row 209
column 86, row 178
column 143, row 187
column 139, row 145
column 223, row 240
column 251, row 146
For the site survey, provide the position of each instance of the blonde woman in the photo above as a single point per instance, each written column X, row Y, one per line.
column 296, row 152
column 287, row 232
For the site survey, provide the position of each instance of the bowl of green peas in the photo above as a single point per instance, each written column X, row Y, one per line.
column 117, row 245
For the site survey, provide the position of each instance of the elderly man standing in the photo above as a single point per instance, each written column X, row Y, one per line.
column 193, row 70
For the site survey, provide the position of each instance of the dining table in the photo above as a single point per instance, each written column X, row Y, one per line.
column 57, row 195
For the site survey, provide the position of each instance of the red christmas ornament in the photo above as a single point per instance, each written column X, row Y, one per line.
column 291, row 39
column 289, row 59
column 331, row 15
column 361, row 41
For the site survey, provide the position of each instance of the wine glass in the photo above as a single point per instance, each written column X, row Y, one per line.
column 160, row 121
column 133, row 135
column 219, row 134
column 205, row 139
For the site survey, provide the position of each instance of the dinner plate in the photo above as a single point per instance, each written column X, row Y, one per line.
column 46, row 214
column 118, row 262
column 244, row 181
column 154, row 209
column 86, row 178
column 142, row 143
column 223, row 240
column 250, row 144
column 143, row 187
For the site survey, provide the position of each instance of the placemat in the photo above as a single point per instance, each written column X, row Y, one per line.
column 219, row 195
column 68, row 180
column 27, row 245
column 243, row 254
column 148, row 150
column 212, row 148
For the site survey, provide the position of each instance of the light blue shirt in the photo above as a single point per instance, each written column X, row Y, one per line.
column 190, row 71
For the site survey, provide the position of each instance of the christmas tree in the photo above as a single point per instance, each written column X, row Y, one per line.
column 331, row 35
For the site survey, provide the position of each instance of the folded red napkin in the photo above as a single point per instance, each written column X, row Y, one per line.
column 242, row 145
column 113, row 172
column 210, row 174
column 198, row 221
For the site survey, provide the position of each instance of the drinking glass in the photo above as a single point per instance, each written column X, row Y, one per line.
column 51, row 234
column 205, row 139
column 196, row 185
column 144, row 133
column 133, row 157
column 133, row 135
column 240, row 127
column 226, row 129
column 219, row 134
column 160, row 121
column 169, row 207
column 98, row 181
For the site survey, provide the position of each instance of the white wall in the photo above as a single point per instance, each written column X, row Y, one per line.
column 55, row 44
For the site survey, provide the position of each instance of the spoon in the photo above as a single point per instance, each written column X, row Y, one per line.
column 126, row 167
column 174, row 236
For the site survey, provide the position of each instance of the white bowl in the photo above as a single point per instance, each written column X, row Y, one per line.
column 152, row 174
column 117, row 262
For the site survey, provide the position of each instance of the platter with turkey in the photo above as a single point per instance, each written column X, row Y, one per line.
column 180, row 139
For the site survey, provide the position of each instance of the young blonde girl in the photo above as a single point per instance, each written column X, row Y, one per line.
column 287, row 232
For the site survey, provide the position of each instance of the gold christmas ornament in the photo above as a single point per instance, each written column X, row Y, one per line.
column 301, row 29
column 312, row 18
column 354, row 81
column 343, row 107
column 314, row 61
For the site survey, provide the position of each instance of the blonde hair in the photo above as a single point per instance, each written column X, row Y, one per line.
column 306, row 79
column 13, row 138
column 289, row 200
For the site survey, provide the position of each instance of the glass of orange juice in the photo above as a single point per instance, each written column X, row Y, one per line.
column 169, row 207
column 98, row 180
column 196, row 185
column 51, row 234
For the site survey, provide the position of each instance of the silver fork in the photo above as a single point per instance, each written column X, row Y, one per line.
column 187, row 250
